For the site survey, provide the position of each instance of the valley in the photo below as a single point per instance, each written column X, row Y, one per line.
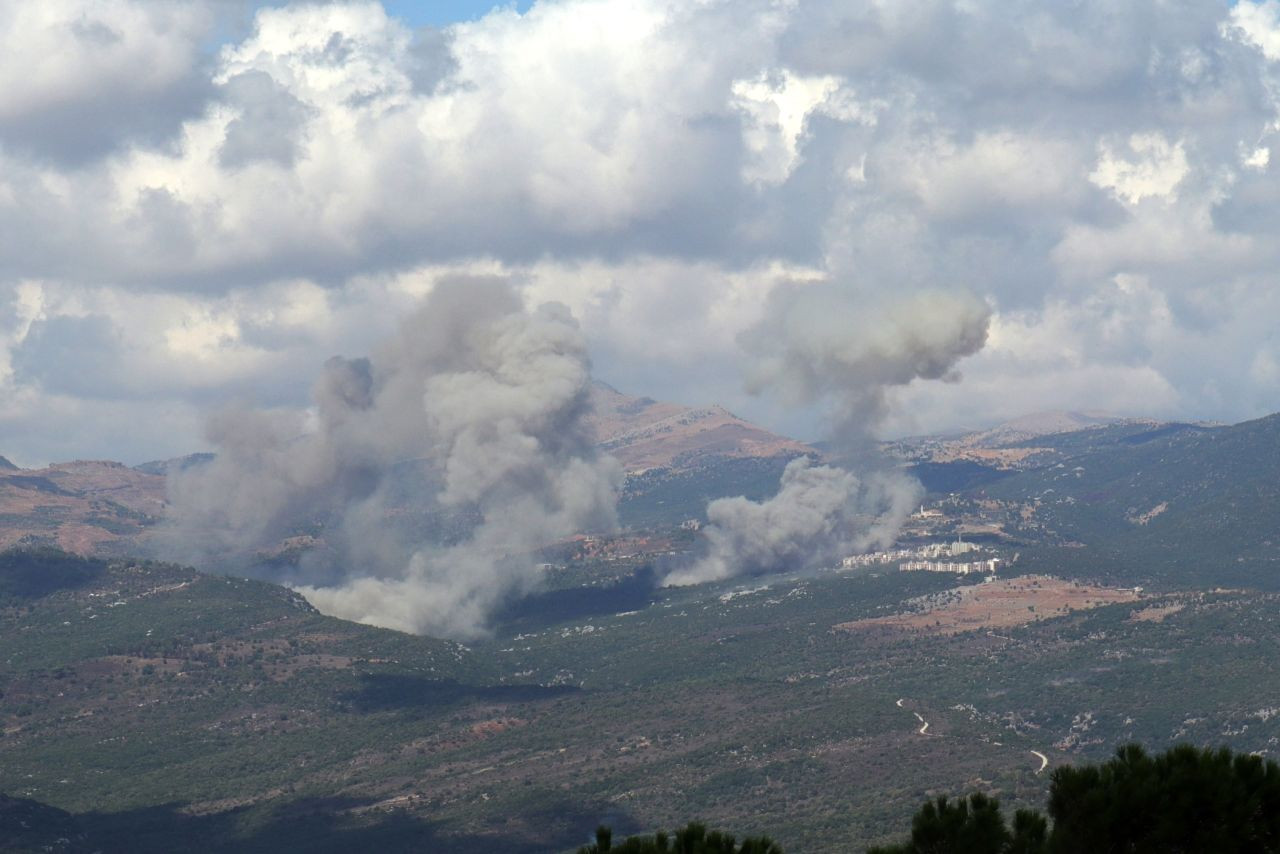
column 146, row 702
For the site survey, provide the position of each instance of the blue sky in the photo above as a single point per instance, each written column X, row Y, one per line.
column 437, row 13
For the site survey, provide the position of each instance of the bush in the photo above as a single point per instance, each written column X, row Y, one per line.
column 1185, row 799
column 693, row 839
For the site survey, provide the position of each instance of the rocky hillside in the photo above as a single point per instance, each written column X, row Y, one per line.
column 106, row 508
column 1023, row 442
column 83, row 507
column 647, row 434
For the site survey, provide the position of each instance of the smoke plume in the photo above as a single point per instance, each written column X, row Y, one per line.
column 431, row 473
column 827, row 344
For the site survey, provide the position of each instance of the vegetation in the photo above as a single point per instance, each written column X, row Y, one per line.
column 151, row 697
column 1186, row 507
column 1184, row 799
column 692, row 839
column 35, row 572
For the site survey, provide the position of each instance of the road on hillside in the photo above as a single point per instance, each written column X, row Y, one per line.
column 924, row 730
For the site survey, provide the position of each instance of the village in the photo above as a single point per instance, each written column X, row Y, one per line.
column 932, row 557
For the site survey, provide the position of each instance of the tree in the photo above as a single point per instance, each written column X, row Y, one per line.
column 1183, row 800
column 973, row 826
column 692, row 839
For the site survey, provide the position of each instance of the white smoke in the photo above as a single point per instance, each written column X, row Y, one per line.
column 470, row 422
column 830, row 344
column 819, row 513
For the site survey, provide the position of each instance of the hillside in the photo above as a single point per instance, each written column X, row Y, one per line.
column 643, row 433
column 84, row 506
column 144, row 705
column 677, row 458
column 1019, row 443
column 1190, row 504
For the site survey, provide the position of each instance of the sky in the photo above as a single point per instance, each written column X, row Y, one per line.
column 203, row 201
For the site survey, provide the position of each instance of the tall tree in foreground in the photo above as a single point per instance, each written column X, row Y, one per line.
column 692, row 839
column 1183, row 800
column 974, row 826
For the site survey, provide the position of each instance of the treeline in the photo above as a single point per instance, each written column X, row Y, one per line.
column 1183, row 800
column 692, row 839
column 1190, row 800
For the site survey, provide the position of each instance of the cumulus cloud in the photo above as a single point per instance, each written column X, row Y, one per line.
column 176, row 188
column 473, row 412
column 79, row 79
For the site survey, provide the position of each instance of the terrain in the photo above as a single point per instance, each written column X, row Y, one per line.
column 87, row 507
column 145, row 703
column 644, row 434
column 676, row 458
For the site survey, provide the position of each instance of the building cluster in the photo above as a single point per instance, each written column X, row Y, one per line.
column 959, row 568
column 873, row 558
column 927, row 513
column 932, row 551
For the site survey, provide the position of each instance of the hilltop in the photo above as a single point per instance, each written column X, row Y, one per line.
column 1184, row 501
column 643, row 433
column 87, row 507
column 1017, row 443
column 677, row 457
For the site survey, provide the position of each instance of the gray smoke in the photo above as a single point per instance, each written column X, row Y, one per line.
column 827, row 344
column 431, row 473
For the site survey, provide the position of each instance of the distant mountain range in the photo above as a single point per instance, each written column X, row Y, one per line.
column 1171, row 496
column 106, row 508
column 643, row 433
column 85, row 507
column 1017, row 443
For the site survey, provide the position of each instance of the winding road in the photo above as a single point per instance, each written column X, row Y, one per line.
column 924, row 725
column 924, row 730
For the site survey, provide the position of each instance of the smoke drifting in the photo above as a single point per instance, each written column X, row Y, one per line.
column 829, row 344
column 819, row 513
column 472, row 418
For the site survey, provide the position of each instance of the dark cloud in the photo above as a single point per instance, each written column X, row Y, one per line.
column 77, row 356
column 1076, row 166
column 270, row 125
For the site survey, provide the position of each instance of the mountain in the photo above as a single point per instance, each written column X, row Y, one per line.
column 163, row 467
column 87, row 507
column 643, row 433
column 1183, row 502
column 1018, row 443
column 1027, row 427
column 677, row 458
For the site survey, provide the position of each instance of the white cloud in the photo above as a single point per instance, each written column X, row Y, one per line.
column 1153, row 167
column 777, row 104
column 1260, row 25
column 56, row 52
column 222, row 221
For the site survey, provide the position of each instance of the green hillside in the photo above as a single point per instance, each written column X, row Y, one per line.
column 1183, row 506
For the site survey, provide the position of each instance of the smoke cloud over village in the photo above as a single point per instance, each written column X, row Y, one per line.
column 471, row 415
column 832, row 345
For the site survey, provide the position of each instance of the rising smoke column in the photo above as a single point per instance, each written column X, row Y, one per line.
column 486, row 397
column 829, row 344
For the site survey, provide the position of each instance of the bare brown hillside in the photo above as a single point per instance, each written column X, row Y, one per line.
column 106, row 508
column 644, row 433
column 85, row 507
